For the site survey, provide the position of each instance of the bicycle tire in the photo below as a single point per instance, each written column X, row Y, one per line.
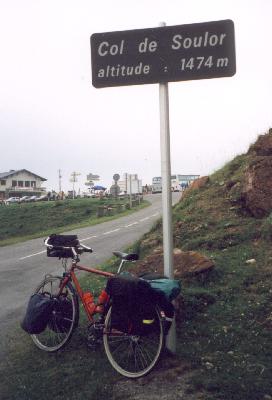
column 133, row 356
column 63, row 320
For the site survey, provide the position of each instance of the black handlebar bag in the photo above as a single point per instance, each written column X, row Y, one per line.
column 62, row 241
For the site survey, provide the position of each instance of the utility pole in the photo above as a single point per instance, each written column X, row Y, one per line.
column 130, row 190
column 59, row 180
column 73, row 179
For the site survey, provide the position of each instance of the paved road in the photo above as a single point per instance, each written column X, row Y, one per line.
column 23, row 265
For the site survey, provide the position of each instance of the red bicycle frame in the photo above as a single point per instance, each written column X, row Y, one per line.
column 70, row 275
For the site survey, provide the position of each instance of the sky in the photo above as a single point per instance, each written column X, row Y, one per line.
column 52, row 118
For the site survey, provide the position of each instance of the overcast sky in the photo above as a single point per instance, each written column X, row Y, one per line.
column 51, row 117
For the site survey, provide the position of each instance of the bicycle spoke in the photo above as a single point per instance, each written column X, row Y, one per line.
column 138, row 355
column 115, row 339
column 143, row 360
column 119, row 346
column 62, row 320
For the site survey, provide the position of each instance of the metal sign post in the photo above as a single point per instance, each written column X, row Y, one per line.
column 167, row 199
column 166, row 180
column 166, row 196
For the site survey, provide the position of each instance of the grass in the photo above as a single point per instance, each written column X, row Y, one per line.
column 226, row 331
column 74, row 373
column 28, row 221
column 227, row 318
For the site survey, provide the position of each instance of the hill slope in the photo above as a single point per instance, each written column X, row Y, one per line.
column 225, row 315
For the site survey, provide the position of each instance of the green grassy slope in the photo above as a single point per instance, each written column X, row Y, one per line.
column 225, row 326
column 23, row 221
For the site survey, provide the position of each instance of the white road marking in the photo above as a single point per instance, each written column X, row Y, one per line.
column 114, row 230
column 144, row 219
column 32, row 255
column 155, row 215
column 87, row 238
column 133, row 223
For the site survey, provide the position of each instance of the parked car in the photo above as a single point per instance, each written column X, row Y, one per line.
column 31, row 198
column 24, row 199
column 42, row 198
column 12, row 200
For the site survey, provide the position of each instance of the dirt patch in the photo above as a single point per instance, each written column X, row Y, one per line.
column 197, row 184
column 169, row 381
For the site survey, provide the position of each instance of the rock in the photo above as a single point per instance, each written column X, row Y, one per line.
column 251, row 261
column 196, row 185
column 158, row 250
column 185, row 263
column 252, row 191
column 257, row 190
column 199, row 183
column 235, row 192
column 191, row 263
column 262, row 146
column 209, row 365
column 177, row 251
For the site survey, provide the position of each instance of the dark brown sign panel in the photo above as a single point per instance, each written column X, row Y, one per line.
column 164, row 54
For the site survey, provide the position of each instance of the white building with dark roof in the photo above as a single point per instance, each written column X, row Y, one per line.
column 20, row 183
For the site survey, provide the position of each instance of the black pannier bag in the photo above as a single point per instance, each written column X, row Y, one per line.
column 134, row 305
column 59, row 241
column 61, row 318
column 38, row 313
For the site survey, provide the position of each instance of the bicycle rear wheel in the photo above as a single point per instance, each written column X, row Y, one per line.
column 64, row 317
column 133, row 356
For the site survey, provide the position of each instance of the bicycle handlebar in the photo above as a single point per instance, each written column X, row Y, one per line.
column 85, row 248
column 82, row 248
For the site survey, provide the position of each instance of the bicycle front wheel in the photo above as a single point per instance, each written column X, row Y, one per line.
column 133, row 356
column 64, row 317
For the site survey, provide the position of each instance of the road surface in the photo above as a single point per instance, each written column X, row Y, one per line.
column 23, row 265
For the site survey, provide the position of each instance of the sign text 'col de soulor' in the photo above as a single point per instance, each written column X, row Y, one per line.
column 164, row 54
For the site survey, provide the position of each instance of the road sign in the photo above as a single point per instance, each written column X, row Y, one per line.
column 163, row 54
column 116, row 177
column 92, row 177
column 89, row 183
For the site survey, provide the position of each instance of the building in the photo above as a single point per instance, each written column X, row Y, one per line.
column 20, row 183
column 182, row 181
column 130, row 184
column 178, row 182
column 156, row 186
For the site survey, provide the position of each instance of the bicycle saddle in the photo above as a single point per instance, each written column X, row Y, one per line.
column 126, row 256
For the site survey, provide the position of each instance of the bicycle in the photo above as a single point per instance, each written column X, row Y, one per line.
column 130, row 354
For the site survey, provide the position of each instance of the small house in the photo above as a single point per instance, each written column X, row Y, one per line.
column 18, row 183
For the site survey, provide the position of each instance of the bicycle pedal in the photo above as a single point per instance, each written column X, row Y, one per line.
column 94, row 337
